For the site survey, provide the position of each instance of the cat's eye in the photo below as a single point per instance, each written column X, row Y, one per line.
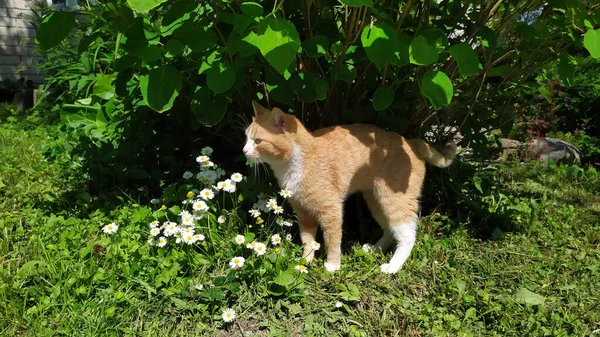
column 257, row 141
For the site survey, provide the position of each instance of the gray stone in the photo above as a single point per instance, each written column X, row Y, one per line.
column 542, row 149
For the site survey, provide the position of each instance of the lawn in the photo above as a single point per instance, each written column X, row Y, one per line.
column 60, row 275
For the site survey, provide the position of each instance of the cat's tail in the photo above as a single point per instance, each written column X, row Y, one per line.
column 434, row 157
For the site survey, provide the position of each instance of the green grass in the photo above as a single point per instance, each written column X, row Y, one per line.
column 60, row 275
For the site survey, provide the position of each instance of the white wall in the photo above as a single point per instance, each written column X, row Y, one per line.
column 17, row 37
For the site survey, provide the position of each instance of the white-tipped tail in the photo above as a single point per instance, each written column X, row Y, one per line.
column 434, row 157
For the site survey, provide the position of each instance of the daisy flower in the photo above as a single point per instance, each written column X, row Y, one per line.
column 163, row 207
column 262, row 205
column 206, row 151
column 187, row 220
column 338, row 304
column 154, row 224
column 254, row 212
column 315, row 245
column 188, row 238
column 171, row 229
column 278, row 209
column 187, row 175
column 207, row 194
column 162, row 241
column 110, row 228
column 279, row 220
column 154, row 201
column 251, row 245
column 208, row 177
column 228, row 315
column 260, row 248
column 301, row 269
column 200, row 205
column 186, row 231
column 190, row 195
column 287, row 223
column 275, row 239
column 207, row 165
column 285, row 193
column 222, row 185
column 198, row 215
column 237, row 262
column 236, row 177
column 221, row 219
column 276, row 250
column 271, row 204
column 154, row 231
column 240, row 239
column 202, row 159
column 288, row 237
column 231, row 188
column 198, row 237
column 259, row 221
column 199, row 287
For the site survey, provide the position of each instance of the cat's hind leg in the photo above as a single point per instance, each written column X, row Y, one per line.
column 399, row 210
column 386, row 240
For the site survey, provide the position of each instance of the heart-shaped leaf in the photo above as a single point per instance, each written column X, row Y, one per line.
column 466, row 58
column 220, row 77
column 383, row 97
column 278, row 42
column 380, row 43
column 437, row 87
column 209, row 109
column 421, row 52
column 54, row 28
column 160, row 87
column 591, row 42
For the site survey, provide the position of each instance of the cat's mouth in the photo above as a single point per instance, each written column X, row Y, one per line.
column 255, row 159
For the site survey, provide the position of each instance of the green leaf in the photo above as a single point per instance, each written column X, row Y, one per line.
column 215, row 294
column 142, row 6
column 175, row 47
column 316, row 46
column 402, row 50
column 104, row 88
column 309, row 87
column 279, row 89
column 357, row 3
column 200, row 39
column 29, row 268
column 591, row 42
column 278, row 42
column 566, row 70
column 546, row 93
column 220, row 77
column 252, row 8
column 285, row 278
column 421, row 52
column 383, row 97
column 525, row 296
column 465, row 56
column 349, row 292
column 208, row 109
column 528, row 32
column 344, row 71
column 160, row 87
column 54, row 28
column 487, row 37
column 380, row 43
column 437, row 87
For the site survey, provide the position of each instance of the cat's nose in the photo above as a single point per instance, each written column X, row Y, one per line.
column 246, row 150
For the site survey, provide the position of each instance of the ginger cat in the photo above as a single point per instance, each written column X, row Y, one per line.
column 322, row 168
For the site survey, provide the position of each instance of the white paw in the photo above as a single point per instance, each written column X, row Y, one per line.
column 389, row 268
column 331, row 267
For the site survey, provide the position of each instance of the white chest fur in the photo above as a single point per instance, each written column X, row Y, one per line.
column 289, row 172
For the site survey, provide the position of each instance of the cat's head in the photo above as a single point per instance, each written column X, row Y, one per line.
column 267, row 137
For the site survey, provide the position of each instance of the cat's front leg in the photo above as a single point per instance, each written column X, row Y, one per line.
column 308, row 231
column 331, row 223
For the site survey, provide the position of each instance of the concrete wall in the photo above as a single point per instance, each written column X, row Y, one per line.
column 17, row 37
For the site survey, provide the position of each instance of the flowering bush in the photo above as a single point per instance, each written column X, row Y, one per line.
column 200, row 226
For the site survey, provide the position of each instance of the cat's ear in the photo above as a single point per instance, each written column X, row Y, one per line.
column 278, row 119
column 258, row 109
